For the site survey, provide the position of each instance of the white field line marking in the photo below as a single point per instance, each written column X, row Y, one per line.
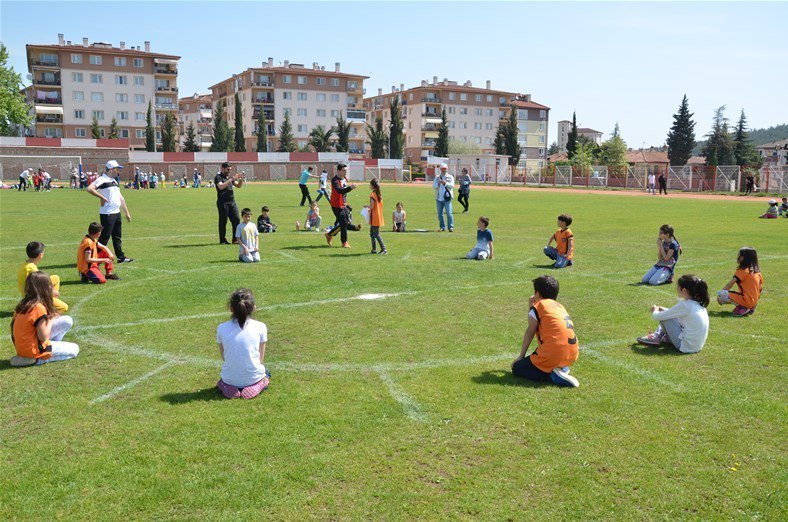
column 406, row 256
column 115, row 391
column 289, row 256
column 398, row 393
column 752, row 336
column 642, row 372
column 149, row 238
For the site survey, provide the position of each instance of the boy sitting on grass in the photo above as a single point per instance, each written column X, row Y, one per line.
column 558, row 347
column 35, row 253
column 484, row 241
column 564, row 249
column 248, row 238
column 91, row 254
column 264, row 225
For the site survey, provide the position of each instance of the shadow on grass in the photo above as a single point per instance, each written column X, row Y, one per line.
column 209, row 394
column 197, row 245
column 231, row 260
column 664, row 349
column 68, row 265
column 5, row 364
column 723, row 314
column 5, row 313
column 549, row 265
column 304, row 247
column 73, row 282
column 348, row 254
column 505, row 378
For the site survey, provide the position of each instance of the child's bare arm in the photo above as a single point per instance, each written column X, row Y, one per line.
column 105, row 249
column 569, row 244
column 528, row 336
column 730, row 284
column 221, row 350
column 492, row 254
column 262, row 351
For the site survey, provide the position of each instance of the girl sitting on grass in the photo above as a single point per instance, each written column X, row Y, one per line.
column 748, row 277
column 685, row 325
column 242, row 348
column 668, row 250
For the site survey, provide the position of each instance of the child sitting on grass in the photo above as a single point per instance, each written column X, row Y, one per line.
column 685, row 325
column 564, row 249
column 484, row 241
column 242, row 348
column 398, row 217
column 35, row 253
column 558, row 347
column 91, row 254
column 773, row 212
column 750, row 281
column 248, row 238
column 264, row 225
column 313, row 219
column 668, row 250
column 37, row 328
column 784, row 207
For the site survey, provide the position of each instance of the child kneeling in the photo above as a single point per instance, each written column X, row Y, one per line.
column 564, row 249
column 484, row 241
column 750, row 281
column 686, row 325
column 558, row 346
column 242, row 348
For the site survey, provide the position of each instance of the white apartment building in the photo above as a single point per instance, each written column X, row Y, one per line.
column 565, row 127
column 196, row 110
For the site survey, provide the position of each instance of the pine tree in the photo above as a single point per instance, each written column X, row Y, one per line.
column 286, row 140
column 553, row 149
column 376, row 137
column 442, row 143
column 743, row 151
column 150, row 131
column 240, row 143
column 343, row 135
column 681, row 137
column 95, row 130
column 719, row 146
column 190, row 142
column 512, row 143
column 262, row 132
column 320, row 139
column 14, row 110
column 395, row 130
column 114, row 132
column 221, row 138
column 500, row 140
column 571, row 141
column 168, row 134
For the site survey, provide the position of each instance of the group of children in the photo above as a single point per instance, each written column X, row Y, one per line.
column 774, row 211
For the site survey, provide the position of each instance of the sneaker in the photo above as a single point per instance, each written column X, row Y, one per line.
column 384, row 252
column 84, row 278
column 652, row 339
column 740, row 311
column 126, row 260
column 346, row 245
column 451, row 230
column 357, row 228
column 374, row 252
column 442, row 230
column 329, row 239
column 561, row 377
column 298, row 225
column 112, row 277
column 224, row 242
column 20, row 362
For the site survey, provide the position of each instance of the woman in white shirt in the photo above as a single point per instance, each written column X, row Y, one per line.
column 242, row 347
column 685, row 325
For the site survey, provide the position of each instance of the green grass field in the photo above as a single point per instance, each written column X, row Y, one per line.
column 402, row 407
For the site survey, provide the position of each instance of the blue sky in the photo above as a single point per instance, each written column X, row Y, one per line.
column 611, row 62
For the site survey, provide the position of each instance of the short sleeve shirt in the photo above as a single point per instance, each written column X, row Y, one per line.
column 304, row 177
column 242, row 366
column 484, row 238
column 21, row 276
column 108, row 188
column 224, row 195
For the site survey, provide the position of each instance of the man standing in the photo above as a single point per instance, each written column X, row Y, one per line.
column 196, row 179
column 443, row 185
column 224, row 182
column 340, row 187
column 663, row 183
column 305, row 175
column 23, row 180
column 46, row 180
column 107, row 190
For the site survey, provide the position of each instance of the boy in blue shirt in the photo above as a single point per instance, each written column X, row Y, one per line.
column 305, row 175
column 484, row 241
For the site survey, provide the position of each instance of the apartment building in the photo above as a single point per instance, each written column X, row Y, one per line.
column 565, row 127
column 198, row 111
column 74, row 82
column 532, row 124
column 312, row 96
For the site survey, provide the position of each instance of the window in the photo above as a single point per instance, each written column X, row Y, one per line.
column 321, row 113
column 352, row 85
column 335, row 114
column 80, row 133
column 489, row 112
column 478, row 112
column 121, row 97
column 139, row 116
column 79, row 114
column 488, row 140
column 301, row 96
column 287, row 112
column 541, row 139
column 489, row 126
column 335, row 97
column 96, row 78
column 139, row 80
column 76, row 58
column 321, row 96
column 541, row 126
column 287, row 95
column 451, row 110
column 48, row 58
column 121, row 79
column 477, row 126
column 158, row 135
column 301, row 80
column 463, row 125
column 123, row 115
column 463, row 110
column 335, row 82
column 138, row 62
column 120, row 61
column 478, row 97
column 99, row 115
column 139, row 98
column 463, row 96
column 77, row 77
column 79, row 95
column 287, row 78
column 301, row 128
column 542, row 114
column 140, row 133
column 95, row 60
column 301, row 112
column 97, row 97
column 320, row 81
column 124, row 133
column 502, row 100
column 489, row 97
column 451, row 124
column 452, row 95
column 541, row 152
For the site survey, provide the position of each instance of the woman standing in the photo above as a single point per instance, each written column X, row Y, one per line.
column 465, row 190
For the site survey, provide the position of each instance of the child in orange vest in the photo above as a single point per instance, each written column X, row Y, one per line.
column 564, row 249
column 750, row 281
column 376, row 217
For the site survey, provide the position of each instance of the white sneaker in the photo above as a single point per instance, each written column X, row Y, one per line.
column 561, row 377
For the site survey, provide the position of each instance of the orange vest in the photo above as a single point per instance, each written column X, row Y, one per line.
column 87, row 244
column 750, row 285
column 562, row 243
column 376, row 211
column 555, row 332
column 25, row 336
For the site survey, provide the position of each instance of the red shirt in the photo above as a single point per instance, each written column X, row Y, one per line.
column 339, row 188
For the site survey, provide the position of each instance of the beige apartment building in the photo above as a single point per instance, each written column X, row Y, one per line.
column 532, row 124
column 74, row 82
column 197, row 110
column 312, row 96
column 565, row 127
column 473, row 114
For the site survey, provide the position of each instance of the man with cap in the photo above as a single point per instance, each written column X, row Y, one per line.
column 224, row 182
column 106, row 188
column 443, row 185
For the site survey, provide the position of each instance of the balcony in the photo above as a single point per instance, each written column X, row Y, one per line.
column 351, row 87
column 42, row 81
column 167, row 106
column 263, row 99
column 356, row 116
column 46, row 63
column 263, row 83
column 430, row 127
column 431, row 114
column 205, row 120
column 165, row 88
column 431, row 99
column 49, row 118
column 429, row 143
column 158, row 69
column 50, row 100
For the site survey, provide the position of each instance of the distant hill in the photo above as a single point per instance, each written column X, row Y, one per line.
column 757, row 136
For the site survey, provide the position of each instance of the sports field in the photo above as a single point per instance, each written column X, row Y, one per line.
column 399, row 407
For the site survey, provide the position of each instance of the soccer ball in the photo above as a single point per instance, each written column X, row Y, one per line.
column 482, row 255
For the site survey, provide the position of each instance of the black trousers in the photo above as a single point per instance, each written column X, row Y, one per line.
column 749, row 188
column 227, row 209
column 663, row 187
column 113, row 227
column 305, row 194
column 341, row 215
column 462, row 198
column 22, row 184
column 525, row 368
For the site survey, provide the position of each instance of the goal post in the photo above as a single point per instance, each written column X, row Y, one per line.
column 59, row 167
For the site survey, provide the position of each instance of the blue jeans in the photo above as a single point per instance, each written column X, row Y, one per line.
column 657, row 275
column 552, row 253
column 445, row 205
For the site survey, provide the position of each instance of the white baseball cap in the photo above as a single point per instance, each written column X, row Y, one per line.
column 112, row 164
column 772, row 201
column 443, row 166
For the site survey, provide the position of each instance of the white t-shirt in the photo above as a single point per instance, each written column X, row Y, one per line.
column 25, row 174
column 46, row 175
column 323, row 179
column 651, row 179
column 440, row 190
column 108, row 188
column 242, row 366
column 694, row 320
column 247, row 233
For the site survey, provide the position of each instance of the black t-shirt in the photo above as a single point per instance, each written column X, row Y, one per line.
column 223, row 195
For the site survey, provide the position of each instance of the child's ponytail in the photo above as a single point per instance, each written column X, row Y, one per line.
column 242, row 305
column 697, row 288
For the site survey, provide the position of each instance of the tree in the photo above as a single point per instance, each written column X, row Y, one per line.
column 462, row 147
column 95, row 130
column 512, row 143
column 286, row 140
column 681, row 136
column 442, row 143
column 719, row 146
column 571, row 141
column 396, row 127
column 590, row 144
column 553, row 149
column 219, row 140
column 343, row 135
column 114, row 132
column 150, row 131
column 262, row 132
column 240, row 143
column 190, row 142
column 168, row 134
column 613, row 152
column 14, row 110
column 583, row 156
column 320, row 138
column 376, row 137
column 500, row 140
column 743, row 151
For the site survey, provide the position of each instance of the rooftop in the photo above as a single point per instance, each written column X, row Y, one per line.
column 102, row 48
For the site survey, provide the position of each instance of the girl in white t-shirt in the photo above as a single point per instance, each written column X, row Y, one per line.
column 242, row 347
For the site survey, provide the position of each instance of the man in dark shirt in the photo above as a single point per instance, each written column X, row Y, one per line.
column 224, row 182
column 339, row 189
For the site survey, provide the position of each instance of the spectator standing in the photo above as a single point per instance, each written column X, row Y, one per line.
column 225, row 182
column 23, row 177
column 112, row 202
column 444, row 185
